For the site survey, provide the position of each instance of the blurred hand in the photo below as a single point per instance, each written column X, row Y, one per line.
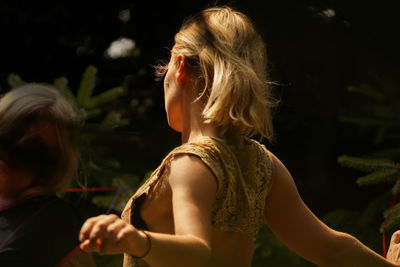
column 108, row 234
column 393, row 254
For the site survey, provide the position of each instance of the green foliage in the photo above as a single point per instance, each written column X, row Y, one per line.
column 87, row 85
column 379, row 110
column 113, row 120
column 126, row 184
column 366, row 164
column 61, row 84
column 104, row 97
column 367, row 90
column 379, row 113
column 394, row 220
column 382, row 176
column 382, row 170
column 14, row 80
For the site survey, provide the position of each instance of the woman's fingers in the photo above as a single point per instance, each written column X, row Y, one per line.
column 85, row 246
column 100, row 227
column 394, row 249
column 395, row 238
column 88, row 225
column 110, row 239
column 93, row 229
column 102, row 234
column 86, row 228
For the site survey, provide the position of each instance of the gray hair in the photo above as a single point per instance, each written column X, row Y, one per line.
column 32, row 103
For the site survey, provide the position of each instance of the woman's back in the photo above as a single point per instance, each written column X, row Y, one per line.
column 242, row 174
column 231, row 249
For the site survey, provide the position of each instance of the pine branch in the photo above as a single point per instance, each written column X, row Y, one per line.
column 394, row 219
column 93, row 113
column 379, row 177
column 368, row 122
column 104, row 97
column 87, row 85
column 366, row 164
column 384, row 111
column 14, row 80
column 396, row 187
column 61, row 84
column 381, row 134
column 113, row 120
column 366, row 90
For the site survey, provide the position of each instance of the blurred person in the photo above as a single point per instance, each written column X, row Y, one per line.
column 38, row 159
column 205, row 203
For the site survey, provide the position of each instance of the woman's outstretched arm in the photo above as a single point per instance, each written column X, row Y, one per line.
column 299, row 229
column 193, row 193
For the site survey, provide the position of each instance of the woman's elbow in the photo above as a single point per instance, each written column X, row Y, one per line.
column 203, row 255
column 340, row 251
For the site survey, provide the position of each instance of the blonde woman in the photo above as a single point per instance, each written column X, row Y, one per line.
column 38, row 158
column 205, row 203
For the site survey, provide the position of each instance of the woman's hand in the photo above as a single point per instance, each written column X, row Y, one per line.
column 393, row 254
column 108, row 234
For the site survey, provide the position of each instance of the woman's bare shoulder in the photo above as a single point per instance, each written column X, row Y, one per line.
column 278, row 168
column 188, row 169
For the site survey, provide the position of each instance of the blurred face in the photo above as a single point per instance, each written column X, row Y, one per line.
column 173, row 96
column 13, row 181
column 20, row 163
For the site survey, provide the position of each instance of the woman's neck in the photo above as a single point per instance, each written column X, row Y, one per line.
column 193, row 125
column 200, row 131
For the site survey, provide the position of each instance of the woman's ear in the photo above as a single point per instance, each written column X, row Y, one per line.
column 182, row 73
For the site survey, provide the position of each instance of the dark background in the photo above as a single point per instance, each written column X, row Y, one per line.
column 316, row 50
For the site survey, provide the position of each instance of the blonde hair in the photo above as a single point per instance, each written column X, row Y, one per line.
column 31, row 103
column 228, row 58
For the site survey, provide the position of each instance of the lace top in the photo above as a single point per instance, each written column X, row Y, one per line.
column 243, row 178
